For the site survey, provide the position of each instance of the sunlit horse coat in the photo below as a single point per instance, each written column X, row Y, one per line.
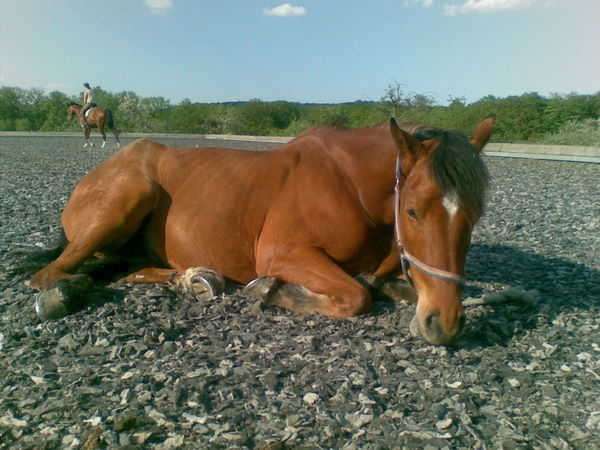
column 312, row 213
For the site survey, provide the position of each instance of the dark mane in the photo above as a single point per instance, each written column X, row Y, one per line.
column 458, row 169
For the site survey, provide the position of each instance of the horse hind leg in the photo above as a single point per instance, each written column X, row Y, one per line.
column 199, row 282
column 115, row 132
column 106, row 229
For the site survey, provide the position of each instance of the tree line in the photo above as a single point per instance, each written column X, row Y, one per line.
column 563, row 119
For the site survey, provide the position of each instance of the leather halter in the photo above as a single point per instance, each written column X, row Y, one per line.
column 406, row 258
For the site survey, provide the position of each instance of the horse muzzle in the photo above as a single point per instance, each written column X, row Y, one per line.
column 432, row 330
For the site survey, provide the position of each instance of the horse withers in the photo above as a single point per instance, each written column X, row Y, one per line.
column 299, row 222
column 97, row 117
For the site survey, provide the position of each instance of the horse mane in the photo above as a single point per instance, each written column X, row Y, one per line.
column 74, row 104
column 458, row 169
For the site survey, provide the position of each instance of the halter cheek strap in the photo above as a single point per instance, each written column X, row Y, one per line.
column 408, row 259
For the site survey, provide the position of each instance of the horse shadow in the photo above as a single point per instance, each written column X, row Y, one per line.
column 562, row 285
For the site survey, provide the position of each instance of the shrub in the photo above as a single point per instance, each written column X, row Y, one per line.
column 584, row 132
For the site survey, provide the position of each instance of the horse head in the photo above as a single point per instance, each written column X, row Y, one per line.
column 72, row 110
column 440, row 195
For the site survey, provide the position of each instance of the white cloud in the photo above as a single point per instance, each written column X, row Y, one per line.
column 159, row 6
column 487, row 6
column 425, row 3
column 285, row 10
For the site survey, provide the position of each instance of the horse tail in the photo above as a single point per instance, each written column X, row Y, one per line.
column 110, row 124
column 33, row 260
column 109, row 120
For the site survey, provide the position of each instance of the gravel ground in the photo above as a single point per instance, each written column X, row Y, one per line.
column 141, row 368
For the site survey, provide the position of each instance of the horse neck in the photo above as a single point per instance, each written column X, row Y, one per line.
column 368, row 158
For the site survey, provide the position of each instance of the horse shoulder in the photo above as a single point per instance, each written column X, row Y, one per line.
column 326, row 211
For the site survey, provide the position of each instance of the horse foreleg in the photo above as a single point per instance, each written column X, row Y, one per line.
column 312, row 282
column 103, row 137
column 86, row 134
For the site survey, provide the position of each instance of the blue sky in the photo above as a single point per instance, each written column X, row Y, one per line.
column 304, row 50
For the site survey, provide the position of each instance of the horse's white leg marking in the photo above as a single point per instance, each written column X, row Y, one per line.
column 450, row 202
column 103, row 144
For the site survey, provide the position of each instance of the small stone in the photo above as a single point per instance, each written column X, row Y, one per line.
column 358, row 420
column 584, row 356
column 311, row 398
column 365, row 400
column 593, row 422
column 514, row 382
column 443, row 424
column 94, row 421
column 126, row 423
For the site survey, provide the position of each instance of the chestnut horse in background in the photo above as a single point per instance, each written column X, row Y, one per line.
column 97, row 117
column 299, row 222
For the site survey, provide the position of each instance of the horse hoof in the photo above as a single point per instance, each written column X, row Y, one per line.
column 85, row 145
column 201, row 283
column 50, row 304
column 415, row 329
column 261, row 287
column 62, row 297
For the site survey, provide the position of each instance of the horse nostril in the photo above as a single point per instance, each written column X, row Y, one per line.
column 432, row 324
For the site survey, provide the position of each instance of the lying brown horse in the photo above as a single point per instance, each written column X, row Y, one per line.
column 304, row 218
column 98, row 117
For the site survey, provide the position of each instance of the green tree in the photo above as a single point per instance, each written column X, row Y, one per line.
column 54, row 110
column 10, row 108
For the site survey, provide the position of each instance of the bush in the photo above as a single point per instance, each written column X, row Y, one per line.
column 585, row 132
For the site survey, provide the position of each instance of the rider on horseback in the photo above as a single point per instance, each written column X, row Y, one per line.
column 88, row 102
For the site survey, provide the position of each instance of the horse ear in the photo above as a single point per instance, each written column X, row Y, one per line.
column 408, row 146
column 482, row 133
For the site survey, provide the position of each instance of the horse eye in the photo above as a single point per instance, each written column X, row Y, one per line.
column 412, row 214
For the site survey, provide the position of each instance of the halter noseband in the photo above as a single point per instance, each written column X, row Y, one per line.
column 408, row 259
